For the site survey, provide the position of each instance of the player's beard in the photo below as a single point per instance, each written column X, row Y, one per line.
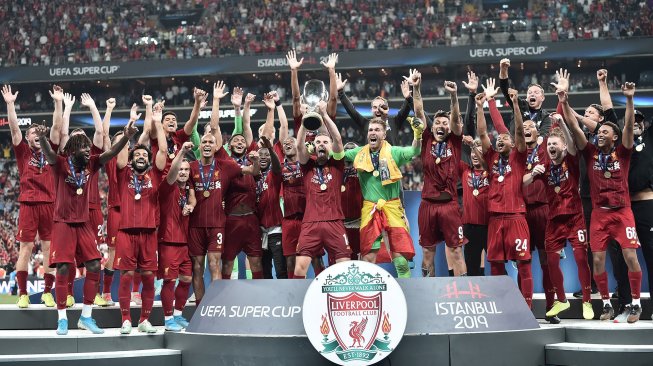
column 142, row 169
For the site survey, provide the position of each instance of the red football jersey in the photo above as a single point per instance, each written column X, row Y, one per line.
column 609, row 191
column 111, row 169
column 506, row 196
column 36, row 184
column 209, row 211
column 70, row 207
column 352, row 197
column 242, row 189
column 94, row 201
column 141, row 213
column 174, row 225
column 323, row 204
column 268, row 209
column 475, row 209
column 440, row 161
column 535, row 193
column 175, row 140
column 566, row 175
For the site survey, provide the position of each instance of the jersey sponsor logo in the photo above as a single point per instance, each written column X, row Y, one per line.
column 564, row 176
column 483, row 183
column 445, row 154
column 86, row 175
column 506, row 169
column 326, row 174
column 354, row 313
column 146, row 183
column 612, row 165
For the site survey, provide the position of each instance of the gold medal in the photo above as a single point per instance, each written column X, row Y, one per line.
column 501, row 178
column 639, row 147
column 137, row 196
column 607, row 175
column 79, row 191
column 171, row 156
column 343, row 188
column 323, row 186
column 206, row 194
column 375, row 173
column 557, row 189
column 475, row 192
column 530, row 166
column 438, row 160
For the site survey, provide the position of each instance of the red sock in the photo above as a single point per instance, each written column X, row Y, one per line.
column 299, row 277
column 167, row 296
column 602, row 283
column 291, row 275
column 147, row 294
column 584, row 275
column 107, row 281
column 181, row 295
column 497, row 268
column 72, row 274
column 226, row 276
column 21, row 280
column 61, row 290
column 49, row 281
column 635, row 279
column 124, row 295
column 137, row 282
column 257, row 275
column 90, row 287
column 526, row 281
column 549, row 290
column 556, row 276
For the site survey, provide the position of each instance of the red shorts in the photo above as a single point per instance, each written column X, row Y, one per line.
column 438, row 222
column 242, row 233
column 566, row 227
column 507, row 238
column 617, row 224
column 536, row 218
column 96, row 219
column 113, row 222
column 329, row 235
column 73, row 243
column 136, row 248
column 33, row 218
column 174, row 261
column 291, row 229
column 205, row 239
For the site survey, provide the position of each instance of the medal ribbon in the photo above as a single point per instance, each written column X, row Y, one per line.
column 556, row 173
column 79, row 181
column 184, row 197
column 439, row 147
column 241, row 161
column 346, row 173
column 476, row 180
column 171, row 145
column 295, row 170
column 261, row 182
column 604, row 160
column 531, row 156
column 375, row 160
column 41, row 159
column 138, row 186
column 502, row 165
column 320, row 174
column 638, row 141
column 206, row 179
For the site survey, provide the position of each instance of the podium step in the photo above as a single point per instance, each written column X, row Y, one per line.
column 570, row 353
column 154, row 357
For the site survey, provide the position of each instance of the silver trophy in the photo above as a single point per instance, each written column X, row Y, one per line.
column 314, row 92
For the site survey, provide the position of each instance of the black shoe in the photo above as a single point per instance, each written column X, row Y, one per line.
column 594, row 290
column 608, row 312
column 615, row 295
column 578, row 294
column 552, row 319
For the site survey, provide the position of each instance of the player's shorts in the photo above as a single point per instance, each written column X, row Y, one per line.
column 291, row 229
column 508, row 238
column 566, row 227
column 174, row 261
column 96, row 219
column 440, row 221
column 353, row 231
column 73, row 243
column 205, row 239
column 617, row 224
column 536, row 218
column 329, row 235
column 35, row 218
column 242, row 233
column 113, row 222
column 136, row 248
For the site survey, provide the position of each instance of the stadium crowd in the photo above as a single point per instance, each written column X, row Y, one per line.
column 58, row 32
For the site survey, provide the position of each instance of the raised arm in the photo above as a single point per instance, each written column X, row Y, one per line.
column 274, row 159
column 69, row 102
column 283, row 120
column 171, row 178
column 200, row 98
column 520, row 140
column 504, row 65
column 247, row 127
column 219, row 92
column 10, row 99
column 255, row 168
column 406, row 106
column 472, row 86
column 129, row 131
column 268, row 126
column 332, row 129
column 160, row 159
column 106, row 123
column 330, row 64
column 604, row 93
column 454, row 120
column 415, row 80
column 237, row 102
column 291, row 56
column 571, row 143
column 356, row 117
column 497, row 120
column 481, row 125
column 98, row 136
column 148, row 102
column 49, row 154
column 629, row 119
column 57, row 122
column 302, row 152
column 572, row 123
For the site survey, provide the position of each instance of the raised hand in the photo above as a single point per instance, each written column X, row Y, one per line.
column 504, row 64
column 147, row 100
column 451, row 87
column 628, row 89
column 275, row 95
column 468, row 140
column 157, row 112
column 562, row 96
column 133, row 113
column 249, row 98
column 253, row 157
column 111, row 103
column 331, row 61
column 512, row 93
column 405, row 89
column 41, row 130
column 130, row 130
column 237, row 97
column 480, row 99
column 8, row 95
column 87, row 101
column 199, row 95
column 291, row 56
column 563, row 80
column 69, row 100
column 56, row 93
column 268, row 99
column 322, row 105
column 340, row 84
column 414, row 78
column 488, row 89
column 187, row 146
column 602, row 75
column 219, row 90
column 266, row 143
column 472, row 82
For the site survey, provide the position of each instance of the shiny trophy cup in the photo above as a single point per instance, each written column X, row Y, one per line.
column 314, row 92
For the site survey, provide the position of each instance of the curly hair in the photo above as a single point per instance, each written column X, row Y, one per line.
column 76, row 143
